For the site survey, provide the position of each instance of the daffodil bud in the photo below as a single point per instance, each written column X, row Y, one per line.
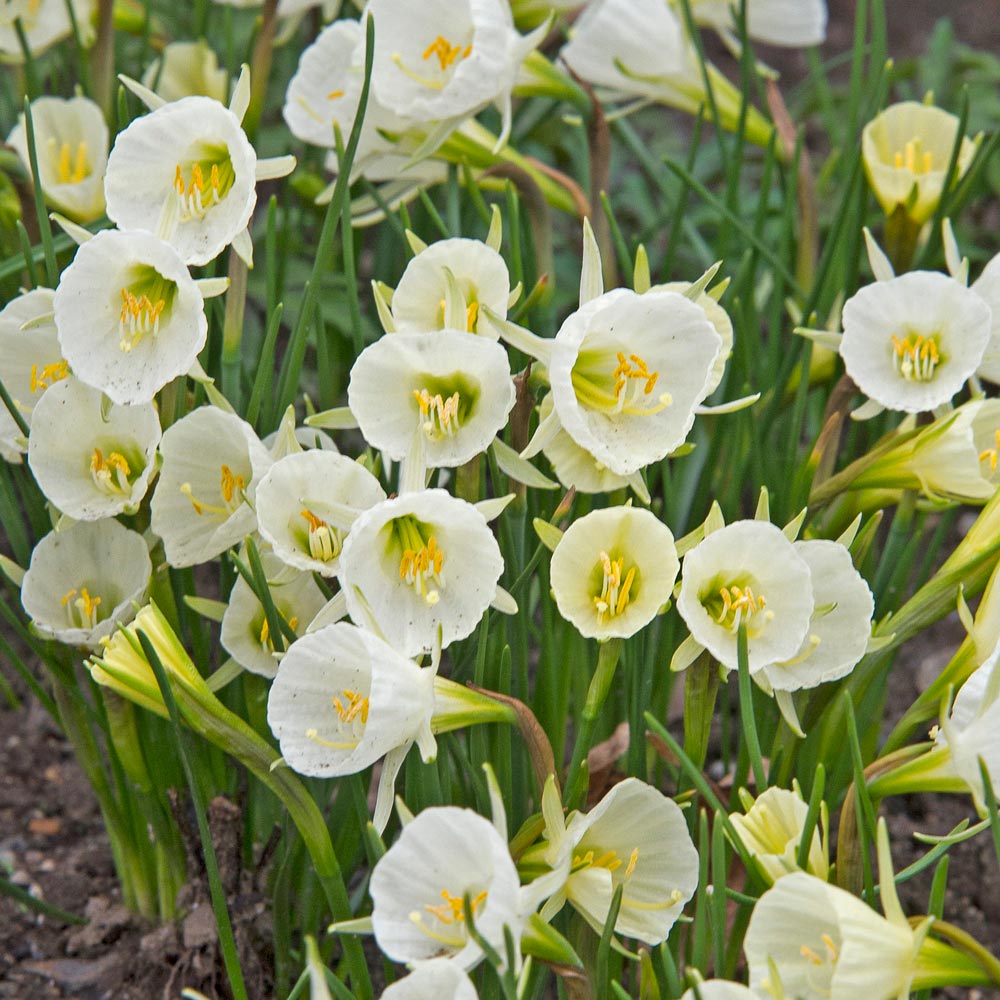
column 187, row 69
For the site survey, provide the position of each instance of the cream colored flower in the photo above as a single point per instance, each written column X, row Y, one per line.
column 187, row 69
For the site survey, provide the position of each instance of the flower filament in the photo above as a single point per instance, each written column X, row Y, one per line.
column 630, row 391
column 615, row 591
column 439, row 416
column 990, row 454
column 201, row 184
column 447, row 56
column 912, row 159
column 71, row 166
column 111, row 474
column 81, row 608
column 352, row 711
column 915, row 356
column 231, row 489
column 325, row 542
column 139, row 315
column 741, row 605
column 266, row 642
column 421, row 561
column 450, row 913
column 42, row 379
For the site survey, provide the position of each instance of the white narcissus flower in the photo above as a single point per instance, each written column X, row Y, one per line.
column 187, row 172
column 419, row 885
column 89, row 461
column 187, row 69
column 746, row 573
column 771, row 830
column 906, row 151
column 435, row 979
column 472, row 268
column 840, row 625
column 85, row 581
column 306, row 504
column 30, row 362
column 439, row 62
column 71, row 143
column 613, row 570
column 420, row 563
column 344, row 698
column 719, row 989
column 987, row 287
column 452, row 388
column 212, row 462
column 826, row 944
column 791, row 23
column 910, row 342
column 245, row 634
column 627, row 371
column 44, row 22
column 130, row 317
column 634, row 837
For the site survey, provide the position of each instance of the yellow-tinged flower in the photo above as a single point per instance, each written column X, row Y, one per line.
column 906, row 150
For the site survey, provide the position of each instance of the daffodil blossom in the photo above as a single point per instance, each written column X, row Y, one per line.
column 129, row 315
column 470, row 270
column 435, row 979
column 906, row 151
column 188, row 172
column 30, row 362
column 440, row 62
column 71, row 143
column 746, row 573
column 613, row 570
column 84, row 581
column 44, row 23
column 245, row 633
column 342, row 699
column 187, row 69
column 419, row 886
column 89, row 461
column 212, row 462
column 306, row 504
column 634, row 837
column 771, row 830
column 718, row 989
column 910, row 342
column 987, row 287
column 451, row 387
column 418, row 563
column 840, row 624
column 791, row 23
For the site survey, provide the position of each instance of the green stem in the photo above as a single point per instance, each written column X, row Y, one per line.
column 232, row 329
column 701, row 687
column 747, row 720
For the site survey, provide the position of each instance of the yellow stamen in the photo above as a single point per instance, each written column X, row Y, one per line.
column 356, row 705
column 915, row 356
column 111, row 474
column 325, row 542
column 81, row 611
column 615, row 592
column 231, row 488
column 265, row 633
column 334, row 94
column 630, row 390
column 198, row 194
column 439, row 416
column 138, row 316
column 740, row 604
column 632, row 861
column 447, row 55
column 419, row 565
column 990, row 454
column 471, row 316
column 50, row 373
column 912, row 159
column 453, row 907
column 72, row 166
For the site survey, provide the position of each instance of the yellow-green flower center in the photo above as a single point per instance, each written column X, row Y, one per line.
column 112, row 473
column 915, row 356
column 324, row 542
column 616, row 587
column 626, row 387
column 203, row 180
column 447, row 54
column 145, row 301
column 71, row 163
column 421, row 560
column 913, row 159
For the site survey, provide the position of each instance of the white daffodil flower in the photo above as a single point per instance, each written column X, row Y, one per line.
column 438, row 63
column 91, row 461
column 747, row 573
column 457, row 276
column 435, row 979
column 200, row 195
column 987, row 287
column 840, row 624
column 826, row 944
column 71, row 143
column 771, row 830
column 418, row 563
column 85, row 581
column 906, row 151
column 130, row 317
column 306, row 504
column 187, row 69
column 342, row 699
column 634, row 837
column 44, row 23
column 212, row 462
column 789, row 23
column 30, row 362
column 719, row 989
column 452, row 388
column 245, row 634
column 613, row 570
column 419, row 886
column 910, row 342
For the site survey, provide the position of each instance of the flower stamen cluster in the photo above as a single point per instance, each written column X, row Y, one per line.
column 139, row 315
column 231, row 486
column 614, row 596
column 916, row 356
column 41, row 380
column 324, row 542
column 196, row 196
column 111, row 474
column 71, row 168
column 81, row 611
column 440, row 415
column 421, row 560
